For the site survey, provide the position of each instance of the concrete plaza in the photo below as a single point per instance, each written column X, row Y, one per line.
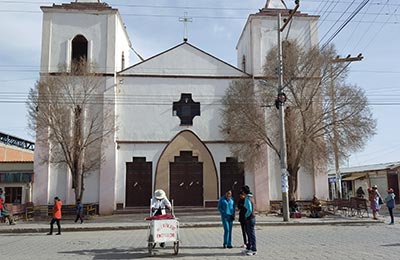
column 350, row 241
column 125, row 237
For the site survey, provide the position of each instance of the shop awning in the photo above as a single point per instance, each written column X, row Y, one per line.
column 355, row 176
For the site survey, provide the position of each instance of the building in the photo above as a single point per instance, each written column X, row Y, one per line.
column 167, row 109
column 384, row 175
column 14, row 149
column 16, row 168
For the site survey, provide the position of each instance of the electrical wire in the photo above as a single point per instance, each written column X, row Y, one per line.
column 358, row 9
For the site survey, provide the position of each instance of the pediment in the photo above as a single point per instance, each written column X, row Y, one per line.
column 184, row 60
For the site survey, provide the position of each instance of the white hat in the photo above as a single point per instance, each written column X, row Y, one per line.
column 159, row 194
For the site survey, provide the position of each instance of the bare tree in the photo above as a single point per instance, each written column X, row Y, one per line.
column 66, row 112
column 309, row 122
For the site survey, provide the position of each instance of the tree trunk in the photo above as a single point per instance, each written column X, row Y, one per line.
column 77, row 155
column 293, row 180
column 292, row 153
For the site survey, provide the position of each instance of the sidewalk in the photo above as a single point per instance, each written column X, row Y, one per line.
column 136, row 221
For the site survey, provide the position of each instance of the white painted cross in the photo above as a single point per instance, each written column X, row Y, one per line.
column 185, row 19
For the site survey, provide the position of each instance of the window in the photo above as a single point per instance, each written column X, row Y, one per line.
column 79, row 48
column 13, row 194
column 186, row 109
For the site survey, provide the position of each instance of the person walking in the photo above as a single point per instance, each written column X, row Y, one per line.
column 251, row 248
column 390, row 203
column 242, row 217
column 56, row 216
column 374, row 199
column 226, row 207
column 79, row 211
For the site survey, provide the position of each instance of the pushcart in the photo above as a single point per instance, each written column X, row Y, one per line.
column 163, row 230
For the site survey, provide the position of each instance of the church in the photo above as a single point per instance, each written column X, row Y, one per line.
column 167, row 111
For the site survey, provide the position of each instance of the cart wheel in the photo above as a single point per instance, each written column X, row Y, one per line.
column 176, row 247
column 150, row 246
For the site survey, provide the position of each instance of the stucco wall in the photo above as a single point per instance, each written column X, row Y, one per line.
column 145, row 105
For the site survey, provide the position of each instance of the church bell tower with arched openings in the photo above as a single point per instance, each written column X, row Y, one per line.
column 90, row 30
column 93, row 31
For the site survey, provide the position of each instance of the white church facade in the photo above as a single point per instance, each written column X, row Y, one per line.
column 167, row 110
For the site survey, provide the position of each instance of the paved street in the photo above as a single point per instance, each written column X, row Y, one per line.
column 362, row 241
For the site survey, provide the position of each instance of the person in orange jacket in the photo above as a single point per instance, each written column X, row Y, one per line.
column 56, row 216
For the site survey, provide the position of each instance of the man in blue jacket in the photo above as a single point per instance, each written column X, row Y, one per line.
column 226, row 207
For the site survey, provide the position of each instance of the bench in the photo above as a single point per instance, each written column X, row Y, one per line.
column 358, row 207
column 19, row 211
column 352, row 207
column 302, row 205
column 70, row 210
column 29, row 210
column 90, row 209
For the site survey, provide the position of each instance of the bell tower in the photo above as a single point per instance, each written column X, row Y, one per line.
column 91, row 30
column 260, row 34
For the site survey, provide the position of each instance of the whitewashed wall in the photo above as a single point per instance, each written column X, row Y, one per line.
column 260, row 35
column 104, row 32
column 144, row 107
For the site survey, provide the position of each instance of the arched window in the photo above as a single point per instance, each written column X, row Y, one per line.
column 79, row 48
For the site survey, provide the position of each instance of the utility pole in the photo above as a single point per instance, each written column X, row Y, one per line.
column 348, row 59
column 281, row 102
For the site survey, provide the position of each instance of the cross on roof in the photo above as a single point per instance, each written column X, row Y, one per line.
column 185, row 19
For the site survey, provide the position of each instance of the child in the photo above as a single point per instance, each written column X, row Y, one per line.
column 390, row 204
column 79, row 211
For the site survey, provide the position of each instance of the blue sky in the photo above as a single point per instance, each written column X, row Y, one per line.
column 153, row 27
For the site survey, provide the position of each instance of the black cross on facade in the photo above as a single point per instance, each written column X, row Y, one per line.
column 186, row 109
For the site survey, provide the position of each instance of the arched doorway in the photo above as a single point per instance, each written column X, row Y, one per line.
column 181, row 163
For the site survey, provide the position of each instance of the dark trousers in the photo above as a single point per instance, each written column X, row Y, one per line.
column 79, row 216
column 391, row 215
column 251, row 234
column 244, row 233
column 55, row 220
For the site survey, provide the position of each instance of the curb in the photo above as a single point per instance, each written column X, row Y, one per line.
column 16, row 229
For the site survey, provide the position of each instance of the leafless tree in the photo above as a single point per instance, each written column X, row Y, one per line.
column 250, row 117
column 66, row 113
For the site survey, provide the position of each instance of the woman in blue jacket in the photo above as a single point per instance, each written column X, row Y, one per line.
column 226, row 207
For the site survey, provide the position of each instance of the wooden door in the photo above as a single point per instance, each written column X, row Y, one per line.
column 138, row 183
column 186, row 180
column 232, row 177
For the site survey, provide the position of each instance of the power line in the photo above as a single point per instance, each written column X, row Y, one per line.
column 358, row 9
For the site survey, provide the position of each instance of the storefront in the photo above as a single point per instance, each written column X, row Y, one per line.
column 16, row 180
